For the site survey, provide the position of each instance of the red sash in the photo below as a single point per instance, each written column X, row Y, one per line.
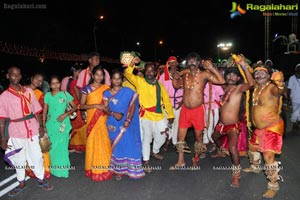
column 143, row 110
column 96, row 116
column 87, row 71
column 25, row 102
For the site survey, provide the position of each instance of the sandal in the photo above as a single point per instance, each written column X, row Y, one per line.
column 16, row 191
column 157, row 156
column 45, row 185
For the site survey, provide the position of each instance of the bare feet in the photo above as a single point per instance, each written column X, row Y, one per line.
column 177, row 166
column 235, row 182
column 146, row 166
column 195, row 161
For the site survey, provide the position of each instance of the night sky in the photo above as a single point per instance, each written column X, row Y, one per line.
column 184, row 26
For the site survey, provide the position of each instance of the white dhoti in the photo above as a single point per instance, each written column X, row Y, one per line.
column 295, row 117
column 151, row 130
column 173, row 133
column 210, row 126
column 22, row 150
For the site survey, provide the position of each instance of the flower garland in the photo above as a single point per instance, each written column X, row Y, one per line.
column 189, row 84
column 255, row 97
column 227, row 95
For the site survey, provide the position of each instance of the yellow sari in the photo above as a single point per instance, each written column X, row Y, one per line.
column 98, row 145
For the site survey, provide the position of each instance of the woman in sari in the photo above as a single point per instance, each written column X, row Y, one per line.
column 124, row 129
column 98, row 149
column 78, row 133
column 57, row 122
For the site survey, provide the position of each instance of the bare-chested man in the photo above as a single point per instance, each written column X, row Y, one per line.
column 267, row 137
column 192, row 113
column 229, row 123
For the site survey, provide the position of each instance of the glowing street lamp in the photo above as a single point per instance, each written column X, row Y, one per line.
column 160, row 42
column 100, row 18
column 138, row 44
column 223, row 47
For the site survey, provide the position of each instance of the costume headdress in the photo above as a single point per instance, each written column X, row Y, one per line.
column 166, row 68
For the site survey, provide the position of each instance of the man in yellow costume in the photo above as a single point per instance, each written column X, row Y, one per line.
column 152, row 96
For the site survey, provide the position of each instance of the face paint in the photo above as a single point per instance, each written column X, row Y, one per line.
column 260, row 74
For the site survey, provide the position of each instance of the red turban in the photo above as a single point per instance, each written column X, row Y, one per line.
column 166, row 70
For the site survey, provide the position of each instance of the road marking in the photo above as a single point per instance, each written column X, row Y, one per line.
column 10, row 187
column 8, row 179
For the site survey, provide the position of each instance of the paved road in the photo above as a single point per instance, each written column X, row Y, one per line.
column 162, row 184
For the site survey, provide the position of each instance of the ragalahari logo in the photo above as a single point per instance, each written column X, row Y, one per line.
column 236, row 10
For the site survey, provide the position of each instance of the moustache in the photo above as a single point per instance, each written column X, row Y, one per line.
column 258, row 76
column 191, row 65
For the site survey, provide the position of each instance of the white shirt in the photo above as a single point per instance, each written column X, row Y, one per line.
column 294, row 86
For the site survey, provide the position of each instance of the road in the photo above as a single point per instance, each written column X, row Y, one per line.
column 204, row 183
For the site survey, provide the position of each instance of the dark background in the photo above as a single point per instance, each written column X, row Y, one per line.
column 184, row 26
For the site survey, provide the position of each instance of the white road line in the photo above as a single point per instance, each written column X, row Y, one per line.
column 8, row 179
column 12, row 186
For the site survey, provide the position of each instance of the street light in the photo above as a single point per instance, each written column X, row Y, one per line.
column 223, row 47
column 160, row 42
column 138, row 44
column 95, row 41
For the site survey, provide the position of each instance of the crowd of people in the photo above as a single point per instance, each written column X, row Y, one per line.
column 124, row 117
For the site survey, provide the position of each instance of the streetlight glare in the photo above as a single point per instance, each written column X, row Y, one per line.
column 160, row 42
column 100, row 18
column 224, row 46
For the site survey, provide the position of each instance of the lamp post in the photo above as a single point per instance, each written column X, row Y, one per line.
column 223, row 47
column 138, row 44
column 95, row 41
column 160, row 42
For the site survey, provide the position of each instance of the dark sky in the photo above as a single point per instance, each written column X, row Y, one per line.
column 184, row 26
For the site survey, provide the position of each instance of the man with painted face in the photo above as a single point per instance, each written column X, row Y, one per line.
column 152, row 96
column 269, row 126
column 229, row 123
column 193, row 81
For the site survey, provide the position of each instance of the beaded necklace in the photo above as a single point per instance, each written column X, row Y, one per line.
column 190, row 84
column 255, row 96
column 227, row 95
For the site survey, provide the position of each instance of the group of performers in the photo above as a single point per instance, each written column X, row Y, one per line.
column 121, row 123
column 267, row 88
column 239, row 81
